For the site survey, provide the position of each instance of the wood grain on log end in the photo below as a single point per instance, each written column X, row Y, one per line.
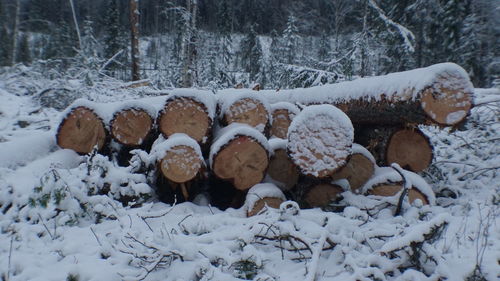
column 282, row 170
column 392, row 189
column 180, row 164
column 281, row 121
column 243, row 161
column 131, row 126
column 411, row 149
column 261, row 203
column 321, row 195
column 248, row 111
column 185, row 115
column 358, row 170
column 81, row 131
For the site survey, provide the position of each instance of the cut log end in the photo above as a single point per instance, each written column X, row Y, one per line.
column 358, row 170
column 242, row 161
column 271, row 202
column 445, row 104
column 180, row 164
column 248, row 111
column 131, row 126
column 282, row 170
column 185, row 115
column 81, row 131
column 321, row 195
column 411, row 149
column 393, row 189
column 281, row 121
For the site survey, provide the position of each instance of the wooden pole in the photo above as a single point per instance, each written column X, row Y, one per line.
column 134, row 31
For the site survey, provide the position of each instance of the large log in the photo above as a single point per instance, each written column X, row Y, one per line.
column 320, row 140
column 240, row 155
column 247, row 109
column 283, row 114
column 321, row 194
column 410, row 148
column 358, row 170
column 438, row 94
column 131, row 126
column 187, row 114
column 282, row 171
column 261, row 196
column 81, row 130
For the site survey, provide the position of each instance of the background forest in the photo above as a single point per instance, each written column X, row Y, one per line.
column 278, row 43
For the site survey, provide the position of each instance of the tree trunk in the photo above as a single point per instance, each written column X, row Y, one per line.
column 131, row 127
column 134, row 38
column 15, row 33
column 248, row 111
column 410, row 148
column 81, row 130
column 283, row 114
column 320, row 140
column 282, row 170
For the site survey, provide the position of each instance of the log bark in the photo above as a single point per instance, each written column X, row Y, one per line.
column 248, row 111
column 320, row 140
column 375, row 139
column 188, row 116
column 358, row 170
column 391, row 189
column 242, row 161
column 282, row 170
column 81, row 130
column 131, row 127
column 410, row 148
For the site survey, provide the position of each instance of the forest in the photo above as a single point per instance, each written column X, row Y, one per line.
column 278, row 44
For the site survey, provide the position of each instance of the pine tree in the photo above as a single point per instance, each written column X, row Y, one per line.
column 225, row 50
column 251, row 53
column 291, row 39
column 24, row 54
column 112, row 33
column 324, row 47
column 454, row 15
column 4, row 43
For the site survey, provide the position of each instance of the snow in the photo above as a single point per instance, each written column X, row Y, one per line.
column 323, row 130
column 232, row 131
column 109, row 240
column 277, row 143
column 292, row 108
column 227, row 99
column 207, row 98
column 260, row 191
column 359, row 149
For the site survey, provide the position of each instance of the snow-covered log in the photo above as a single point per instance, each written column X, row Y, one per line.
column 250, row 109
column 131, row 126
column 261, row 196
column 240, row 155
column 191, row 114
column 283, row 114
column 319, row 140
column 358, row 170
column 282, row 171
column 81, row 130
column 321, row 194
column 410, row 148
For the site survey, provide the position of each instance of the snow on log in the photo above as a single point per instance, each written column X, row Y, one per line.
column 320, row 140
column 282, row 171
column 321, row 194
column 240, row 155
column 179, row 157
column 359, row 169
column 440, row 93
column 131, row 124
column 248, row 109
column 261, row 196
column 283, row 114
column 387, row 182
column 191, row 114
column 410, row 148
column 81, row 130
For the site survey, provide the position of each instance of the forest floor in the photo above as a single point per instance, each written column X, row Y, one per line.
column 52, row 227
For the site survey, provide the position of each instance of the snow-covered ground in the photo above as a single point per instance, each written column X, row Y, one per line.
column 55, row 225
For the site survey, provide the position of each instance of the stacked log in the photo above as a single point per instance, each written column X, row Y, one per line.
column 282, row 171
column 283, row 114
column 249, row 109
column 262, row 196
column 358, row 170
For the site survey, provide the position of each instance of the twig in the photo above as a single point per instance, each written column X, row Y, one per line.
column 406, row 187
column 95, row 235
column 10, row 256
column 46, row 228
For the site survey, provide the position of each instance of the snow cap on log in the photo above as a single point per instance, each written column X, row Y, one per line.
column 188, row 112
column 281, row 171
column 387, row 182
column 282, row 114
column 247, row 108
column 320, row 140
column 261, row 195
column 132, row 122
column 179, row 157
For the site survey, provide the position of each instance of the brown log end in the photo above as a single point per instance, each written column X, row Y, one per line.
column 181, row 164
column 243, row 161
column 411, row 149
column 81, row 131
column 248, row 111
column 392, row 189
column 131, row 126
column 447, row 102
column 358, row 170
column 320, row 140
column 282, row 117
column 185, row 115
column 321, row 195
column 271, row 202
column 282, row 170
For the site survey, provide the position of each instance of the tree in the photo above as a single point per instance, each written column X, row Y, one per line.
column 134, row 38
column 4, row 44
column 291, row 39
column 251, row 53
column 24, row 54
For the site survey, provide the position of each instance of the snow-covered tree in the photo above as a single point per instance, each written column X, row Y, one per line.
column 251, row 53
column 291, row 39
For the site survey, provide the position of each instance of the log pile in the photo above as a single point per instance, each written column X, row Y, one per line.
column 227, row 144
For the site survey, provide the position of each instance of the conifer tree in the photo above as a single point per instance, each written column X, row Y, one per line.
column 24, row 54
column 291, row 39
column 251, row 53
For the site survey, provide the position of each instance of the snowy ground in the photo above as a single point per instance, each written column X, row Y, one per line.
column 54, row 225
